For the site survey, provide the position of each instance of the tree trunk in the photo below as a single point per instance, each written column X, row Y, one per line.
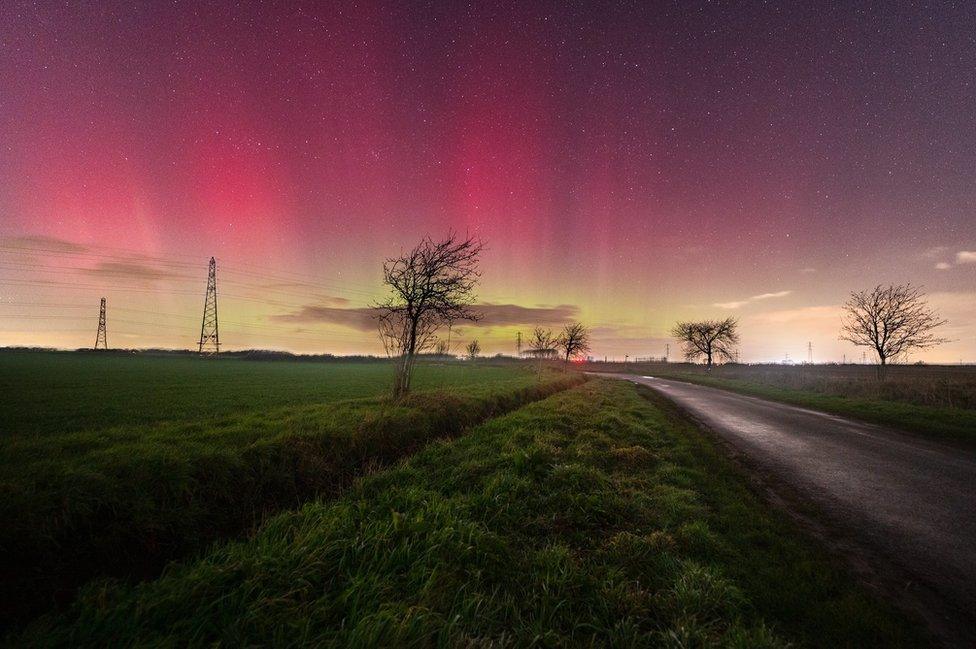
column 404, row 366
column 882, row 368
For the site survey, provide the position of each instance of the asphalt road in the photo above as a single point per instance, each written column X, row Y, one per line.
column 901, row 508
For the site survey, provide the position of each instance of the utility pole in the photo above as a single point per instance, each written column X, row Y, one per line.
column 518, row 344
column 101, row 338
column 667, row 353
column 209, row 335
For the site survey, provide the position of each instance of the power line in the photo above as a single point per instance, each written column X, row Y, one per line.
column 136, row 257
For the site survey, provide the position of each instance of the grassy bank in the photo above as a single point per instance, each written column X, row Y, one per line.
column 595, row 517
column 61, row 392
column 937, row 422
column 125, row 500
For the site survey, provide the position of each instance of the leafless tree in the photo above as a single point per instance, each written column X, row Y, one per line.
column 442, row 348
column 574, row 340
column 891, row 320
column 708, row 338
column 543, row 344
column 431, row 285
column 473, row 350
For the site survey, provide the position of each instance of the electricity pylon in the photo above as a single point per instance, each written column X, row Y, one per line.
column 209, row 335
column 101, row 338
column 518, row 344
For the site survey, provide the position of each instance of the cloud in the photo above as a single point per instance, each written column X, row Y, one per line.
column 808, row 269
column 807, row 314
column 308, row 287
column 755, row 298
column 361, row 318
column 935, row 251
column 943, row 266
column 966, row 257
column 492, row 315
column 500, row 315
column 766, row 296
column 131, row 270
column 42, row 243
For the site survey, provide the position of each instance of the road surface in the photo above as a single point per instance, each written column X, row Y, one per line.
column 901, row 508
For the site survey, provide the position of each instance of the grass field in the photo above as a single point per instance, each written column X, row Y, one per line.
column 58, row 392
column 122, row 499
column 935, row 401
column 597, row 517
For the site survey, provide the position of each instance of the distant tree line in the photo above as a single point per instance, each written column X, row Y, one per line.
column 890, row 320
column 432, row 286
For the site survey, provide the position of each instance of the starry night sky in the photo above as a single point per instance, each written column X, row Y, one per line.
column 626, row 164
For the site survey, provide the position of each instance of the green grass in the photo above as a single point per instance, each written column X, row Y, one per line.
column 58, row 392
column 125, row 500
column 597, row 517
column 936, row 422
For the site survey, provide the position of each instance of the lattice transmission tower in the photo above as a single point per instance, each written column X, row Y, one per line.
column 101, row 338
column 209, row 334
column 518, row 344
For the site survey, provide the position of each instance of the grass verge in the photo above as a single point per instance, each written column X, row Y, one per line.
column 125, row 501
column 592, row 518
column 956, row 425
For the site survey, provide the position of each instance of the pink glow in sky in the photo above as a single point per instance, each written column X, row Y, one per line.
column 626, row 165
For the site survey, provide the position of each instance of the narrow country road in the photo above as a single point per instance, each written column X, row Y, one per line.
column 901, row 508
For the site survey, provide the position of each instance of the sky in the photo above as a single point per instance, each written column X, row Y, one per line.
column 626, row 164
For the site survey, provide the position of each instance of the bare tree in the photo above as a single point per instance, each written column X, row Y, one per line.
column 473, row 350
column 574, row 340
column 708, row 338
column 442, row 348
column 543, row 344
column 431, row 286
column 891, row 320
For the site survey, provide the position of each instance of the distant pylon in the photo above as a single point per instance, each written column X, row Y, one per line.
column 810, row 353
column 209, row 335
column 101, row 338
column 518, row 344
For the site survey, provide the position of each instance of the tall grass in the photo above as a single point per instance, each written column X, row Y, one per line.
column 126, row 500
column 593, row 518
